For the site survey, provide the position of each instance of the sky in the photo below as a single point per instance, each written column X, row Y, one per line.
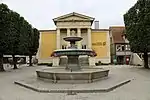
column 40, row 13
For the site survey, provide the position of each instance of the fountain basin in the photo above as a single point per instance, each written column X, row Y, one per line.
column 72, row 52
column 73, row 39
column 60, row 74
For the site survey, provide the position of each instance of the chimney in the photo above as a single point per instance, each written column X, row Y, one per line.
column 96, row 23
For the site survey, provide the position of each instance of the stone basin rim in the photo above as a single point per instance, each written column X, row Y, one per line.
column 59, row 50
column 52, row 70
column 73, row 38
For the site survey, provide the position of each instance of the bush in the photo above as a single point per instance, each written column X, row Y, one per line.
column 46, row 64
column 96, row 64
column 105, row 64
column 99, row 63
column 139, row 65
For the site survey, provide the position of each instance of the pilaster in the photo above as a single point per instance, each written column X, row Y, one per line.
column 79, row 35
column 89, row 38
column 58, row 38
column 68, row 34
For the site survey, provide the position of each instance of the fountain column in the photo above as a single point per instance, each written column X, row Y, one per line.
column 79, row 35
column 89, row 38
column 58, row 38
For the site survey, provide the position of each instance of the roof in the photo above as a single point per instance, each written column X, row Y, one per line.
column 100, row 30
column 46, row 30
column 73, row 14
column 117, row 33
column 92, row 30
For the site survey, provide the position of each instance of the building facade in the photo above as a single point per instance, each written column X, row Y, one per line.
column 120, row 48
column 96, row 39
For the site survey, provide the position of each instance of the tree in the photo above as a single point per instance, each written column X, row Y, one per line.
column 14, row 34
column 24, row 36
column 137, row 23
column 33, row 44
column 17, row 37
column 4, row 26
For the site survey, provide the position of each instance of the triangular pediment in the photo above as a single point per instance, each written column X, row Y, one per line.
column 73, row 17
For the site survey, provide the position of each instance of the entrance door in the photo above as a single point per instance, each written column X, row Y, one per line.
column 120, row 59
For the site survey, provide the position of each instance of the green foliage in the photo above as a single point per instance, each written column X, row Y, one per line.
column 137, row 22
column 17, row 36
column 100, row 63
column 13, row 33
column 34, row 42
column 24, row 37
column 4, row 26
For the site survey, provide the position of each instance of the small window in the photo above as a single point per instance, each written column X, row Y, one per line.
column 118, row 47
column 128, row 47
column 83, row 46
column 123, row 48
column 63, row 47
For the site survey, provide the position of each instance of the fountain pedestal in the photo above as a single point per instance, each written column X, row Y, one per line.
column 56, row 61
column 73, row 63
column 91, row 61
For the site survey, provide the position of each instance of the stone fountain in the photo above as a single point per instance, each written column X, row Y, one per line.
column 73, row 69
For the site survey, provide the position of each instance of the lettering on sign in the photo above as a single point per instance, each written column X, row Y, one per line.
column 99, row 44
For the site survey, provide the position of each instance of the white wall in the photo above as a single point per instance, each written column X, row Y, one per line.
column 135, row 59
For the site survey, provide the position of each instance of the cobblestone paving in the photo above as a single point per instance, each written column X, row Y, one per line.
column 138, row 89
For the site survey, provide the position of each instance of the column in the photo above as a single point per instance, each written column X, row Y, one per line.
column 89, row 38
column 108, row 48
column 58, row 38
column 79, row 35
column 68, row 34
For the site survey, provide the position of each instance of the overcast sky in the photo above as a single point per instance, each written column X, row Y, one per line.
column 41, row 12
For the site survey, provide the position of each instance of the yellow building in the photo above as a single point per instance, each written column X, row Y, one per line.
column 96, row 39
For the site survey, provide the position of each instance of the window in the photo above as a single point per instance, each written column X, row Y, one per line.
column 63, row 47
column 120, row 47
column 128, row 47
column 123, row 47
column 83, row 46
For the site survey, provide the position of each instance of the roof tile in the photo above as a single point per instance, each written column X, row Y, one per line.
column 117, row 34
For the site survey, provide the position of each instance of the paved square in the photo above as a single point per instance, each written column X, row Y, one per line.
column 137, row 89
